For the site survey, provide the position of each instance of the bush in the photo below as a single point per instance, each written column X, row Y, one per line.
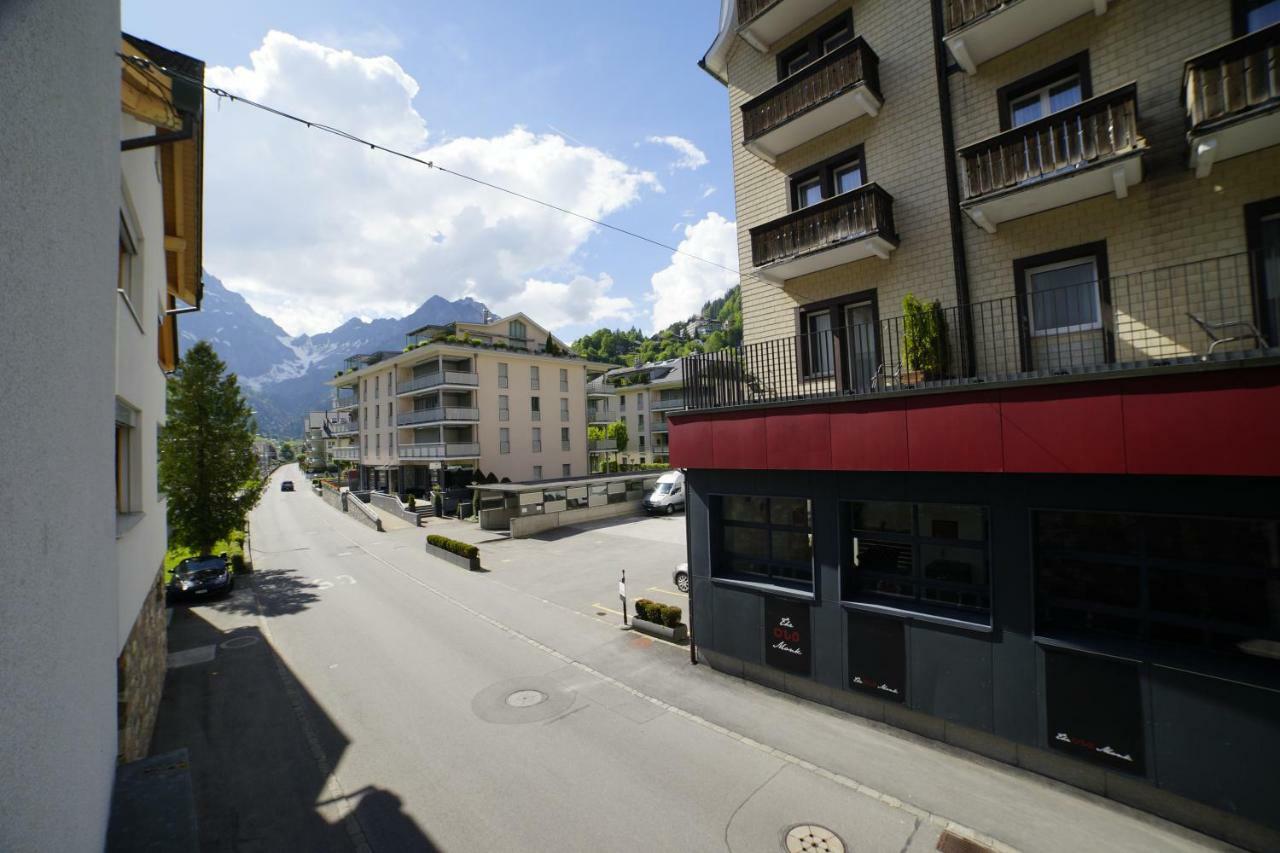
column 671, row 615
column 411, row 503
column 453, row 546
column 237, row 563
column 658, row 613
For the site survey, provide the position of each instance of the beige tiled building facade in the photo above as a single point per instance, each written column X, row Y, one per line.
column 503, row 398
column 1031, row 511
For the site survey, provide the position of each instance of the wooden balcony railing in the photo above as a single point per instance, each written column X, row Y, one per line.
column 960, row 13
column 843, row 69
column 1090, row 132
column 750, row 9
column 850, row 216
column 1237, row 78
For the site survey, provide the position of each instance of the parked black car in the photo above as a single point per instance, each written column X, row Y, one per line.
column 202, row 577
column 286, row 486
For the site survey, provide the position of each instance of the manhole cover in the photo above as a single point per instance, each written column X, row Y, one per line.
column 808, row 837
column 525, row 698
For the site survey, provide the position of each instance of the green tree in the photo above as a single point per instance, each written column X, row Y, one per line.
column 287, row 452
column 207, row 465
column 618, row 432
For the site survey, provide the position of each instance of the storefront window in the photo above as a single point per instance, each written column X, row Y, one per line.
column 769, row 540
column 1198, row 582
column 927, row 556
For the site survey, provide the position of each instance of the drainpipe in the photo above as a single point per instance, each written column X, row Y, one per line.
column 953, row 205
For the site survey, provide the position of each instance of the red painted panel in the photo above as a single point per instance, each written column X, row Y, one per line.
column 955, row 432
column 690, row 443
column 739, row 441
column 1063, row 429
column 799, row 439
column 869, row 436
column 1222, row 423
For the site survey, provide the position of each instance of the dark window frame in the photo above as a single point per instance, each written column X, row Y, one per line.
column 1240, row 17
column 1098, row 251
column 1077, row 65
column 825, row 171
column 1254, row 213
column 917, row 603
column 720, row 555
column 836, row 305
column 811, row 44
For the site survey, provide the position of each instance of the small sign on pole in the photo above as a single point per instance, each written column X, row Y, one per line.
column 622, row 594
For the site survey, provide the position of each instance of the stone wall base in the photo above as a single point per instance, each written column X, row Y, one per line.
column 140, row 673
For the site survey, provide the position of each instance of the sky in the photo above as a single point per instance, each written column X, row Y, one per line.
column 598, row 107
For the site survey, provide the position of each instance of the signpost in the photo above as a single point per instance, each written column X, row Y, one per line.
column 622, row 594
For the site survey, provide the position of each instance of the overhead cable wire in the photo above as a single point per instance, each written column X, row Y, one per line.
column 143, row 62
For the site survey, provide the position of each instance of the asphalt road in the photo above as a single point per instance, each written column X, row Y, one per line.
column 373, row 697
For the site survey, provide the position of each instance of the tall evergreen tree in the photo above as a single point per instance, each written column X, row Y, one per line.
column 207, row 465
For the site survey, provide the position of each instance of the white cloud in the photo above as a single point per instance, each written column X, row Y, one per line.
column 691, row 156
column 580, row 302
column 314, row 229
column 707, row 190
column 680, row 290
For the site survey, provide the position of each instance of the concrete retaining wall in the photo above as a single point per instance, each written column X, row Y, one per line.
column 532, row 525
column 390, row 503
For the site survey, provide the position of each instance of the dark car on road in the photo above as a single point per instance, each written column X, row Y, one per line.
column 202, row 577
column 286, row 486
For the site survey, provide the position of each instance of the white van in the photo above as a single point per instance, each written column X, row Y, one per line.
column 668, row 495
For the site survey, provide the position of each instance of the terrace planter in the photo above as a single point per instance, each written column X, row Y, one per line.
column 678, row 634
column 468, row 563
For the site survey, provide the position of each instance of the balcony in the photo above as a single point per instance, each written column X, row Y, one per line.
column 604, row 445
column 349, row 454
column 834, row 90
column 1231, row 94
column 1087, row 150
column 1179, row 318
column 601, row 415
column 341, row 428
column 341, row 403
column 437, row 380
column 978, row 30
column 762, row 22
column 437, row 452
column 437, row 415
column 667, row 404
column 844, row 228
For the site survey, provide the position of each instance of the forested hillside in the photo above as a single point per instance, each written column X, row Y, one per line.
column 630, row 346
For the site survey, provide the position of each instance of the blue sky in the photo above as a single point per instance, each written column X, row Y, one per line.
column 313, row 231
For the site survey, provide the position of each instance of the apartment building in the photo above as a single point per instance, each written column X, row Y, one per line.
column 102, row 245
column 643, row 396
column 504, row 398
column 1032, row 509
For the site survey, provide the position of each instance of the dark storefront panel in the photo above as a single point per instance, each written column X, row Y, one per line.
column 951, row 675
column 878, row 656
column 737, row 623
column 1093, row 710
column 788, row 637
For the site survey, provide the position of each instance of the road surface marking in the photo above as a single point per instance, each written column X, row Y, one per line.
column 607, row 609
column 668, row 592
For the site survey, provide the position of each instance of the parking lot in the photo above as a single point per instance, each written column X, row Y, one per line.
column 579, row 566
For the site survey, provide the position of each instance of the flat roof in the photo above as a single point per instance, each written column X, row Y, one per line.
column 543, row 485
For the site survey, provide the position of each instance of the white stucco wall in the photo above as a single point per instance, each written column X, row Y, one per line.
column 60, row 173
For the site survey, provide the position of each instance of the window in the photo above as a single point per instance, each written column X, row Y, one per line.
column 640, row 422
column 129, row 274
column 535, row 408
column 377, row 445
column 564, row 438
column 1198, row 582
column 391, row 413
column 564, row 408
column 535, row 383
column 642, row 442
column 502, row 374
column 517, row 332
column 504, row 440
column 377, row 385
column 1262, row 229
column 920, row 556
column 1253, row 15
column 366, row 445
column 767, row 540
column 537, row 472
column 504, row 407
column 827, row 179
column 537, row 439
column 1063, row 291
column 1048, row 91
column 820, row 42
column 377, row 416
column 128, row 498
column 622, row 402
column 849, row 325
column 566, row 470
column 639, row 402
column 564, row 381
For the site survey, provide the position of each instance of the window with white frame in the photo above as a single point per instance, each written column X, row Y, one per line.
column 502, row 374
column 564, row 438
column 504, row 440
column 1043, row 97
column 564, row 381
column 504, row 407
column 818, row 344
column 129, row 275
column 517, row 331
column 537, row 472
column 1063, row 297
column 566, row 470
column 535, row 381
column 535, row 408
column 537, row 439
column 564, row 408
column 128, row 497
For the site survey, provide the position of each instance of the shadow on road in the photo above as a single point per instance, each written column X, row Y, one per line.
column 280, row 593
column 262, row 750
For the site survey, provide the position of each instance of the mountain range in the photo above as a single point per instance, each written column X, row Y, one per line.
column 284, row 377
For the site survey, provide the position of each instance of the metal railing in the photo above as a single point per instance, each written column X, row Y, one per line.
column 343, row 427
column 1234, row 79
column 600, row 414
column 864, row 212
column 602, row 445
column 840, row 71
column 667, row 403
column 431, row 380
column 430, row 416
column 1085, row 134
column 346, row 401
column 439, row 451
column 1166, row 318
column 345, row 453
column 961, row 13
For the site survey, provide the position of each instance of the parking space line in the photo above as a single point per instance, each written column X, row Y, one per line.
column 607, row 609
column 667, row 592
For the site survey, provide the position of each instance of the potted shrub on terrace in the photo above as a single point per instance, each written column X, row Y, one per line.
column 660, row 620
column 924, row 340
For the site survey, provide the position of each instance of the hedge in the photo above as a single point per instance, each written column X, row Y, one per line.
column 658, row 613
column 462, row 549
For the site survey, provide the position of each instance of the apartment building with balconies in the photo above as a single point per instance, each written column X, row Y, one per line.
column 645, row 394
column 503, row 398
column 1031, row 510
